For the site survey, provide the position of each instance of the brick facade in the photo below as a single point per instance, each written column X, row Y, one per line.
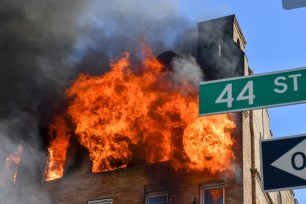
column 131, row 185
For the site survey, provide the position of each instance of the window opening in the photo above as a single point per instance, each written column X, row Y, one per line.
column 101, row 201
column 212, row 195
column 157, row 198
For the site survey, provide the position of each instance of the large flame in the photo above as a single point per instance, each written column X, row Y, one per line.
column 126, row 115
column 57, row 149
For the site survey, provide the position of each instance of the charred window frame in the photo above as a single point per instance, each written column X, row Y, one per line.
column 157, row 198
column 212, row 194
column 101, row 201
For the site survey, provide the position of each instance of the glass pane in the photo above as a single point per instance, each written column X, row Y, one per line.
column 162, row 199
column 213, row 196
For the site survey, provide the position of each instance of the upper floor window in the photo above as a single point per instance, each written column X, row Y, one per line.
column 157, row 198
column 212, row 195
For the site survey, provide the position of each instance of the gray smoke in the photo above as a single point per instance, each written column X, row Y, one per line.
column 36, row 39
column 20, row 128
column 46, row 44
column 187, row 68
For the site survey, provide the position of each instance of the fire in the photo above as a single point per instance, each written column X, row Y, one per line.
column 57, row 149
column 10, row 170
column 216, row 194
column 126, row 115
column 207, row 143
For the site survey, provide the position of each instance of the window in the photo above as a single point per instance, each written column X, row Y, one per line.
column 157, row 198
column 212, row 195
column 102, row 201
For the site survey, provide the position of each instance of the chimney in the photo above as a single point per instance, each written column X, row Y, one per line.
column 220, row 51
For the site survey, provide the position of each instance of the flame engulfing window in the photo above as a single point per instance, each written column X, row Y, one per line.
column 157, row 198
column 59, row 142
column 213, row 195
column 102, row 201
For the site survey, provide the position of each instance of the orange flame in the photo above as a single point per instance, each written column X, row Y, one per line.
column 122, row 116
column 216, row 194
column 57, row 149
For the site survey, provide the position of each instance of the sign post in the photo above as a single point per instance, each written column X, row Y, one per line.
column 283, row 163
column 252, row 92
column 293, row 4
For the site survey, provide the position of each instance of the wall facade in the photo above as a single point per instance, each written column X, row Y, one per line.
column 132, row 185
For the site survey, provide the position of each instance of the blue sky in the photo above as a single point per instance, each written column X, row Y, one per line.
column 276, row 40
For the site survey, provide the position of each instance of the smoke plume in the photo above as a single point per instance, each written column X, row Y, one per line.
column 20, row 128
column 186, row 68
column 46, row 44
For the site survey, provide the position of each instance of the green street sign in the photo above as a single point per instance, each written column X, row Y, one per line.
column 252, row 92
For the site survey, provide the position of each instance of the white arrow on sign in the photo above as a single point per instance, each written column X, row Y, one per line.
column 293, row 161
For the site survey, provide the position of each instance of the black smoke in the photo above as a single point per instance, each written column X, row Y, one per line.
column 46, row 44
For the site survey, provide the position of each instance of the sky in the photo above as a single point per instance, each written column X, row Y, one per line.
column 275, row 41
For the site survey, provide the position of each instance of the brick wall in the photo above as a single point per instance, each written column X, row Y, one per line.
column 261, row 130
column 130, row 185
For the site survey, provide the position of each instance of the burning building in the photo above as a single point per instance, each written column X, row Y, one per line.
column 144, row 139
column 133, row 135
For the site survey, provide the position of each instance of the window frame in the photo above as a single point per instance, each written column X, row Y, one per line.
column 156, row 194
column 211, row 186
column 101, row 201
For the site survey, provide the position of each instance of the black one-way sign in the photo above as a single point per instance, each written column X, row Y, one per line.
column 292, row 4
column 283, row 163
